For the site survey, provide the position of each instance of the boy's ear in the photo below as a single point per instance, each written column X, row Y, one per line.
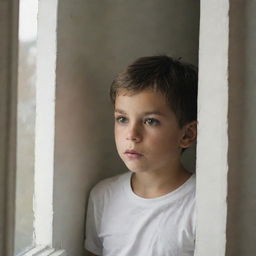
column 189, row 134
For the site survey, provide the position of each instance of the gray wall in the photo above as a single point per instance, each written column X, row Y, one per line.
column 4, row 53
column 241, row 226
column 97, row 39
column 8, row 94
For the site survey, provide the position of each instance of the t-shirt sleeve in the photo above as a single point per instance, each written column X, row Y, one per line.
column 92, row 240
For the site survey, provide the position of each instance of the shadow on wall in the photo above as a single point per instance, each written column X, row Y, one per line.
column 241, row 222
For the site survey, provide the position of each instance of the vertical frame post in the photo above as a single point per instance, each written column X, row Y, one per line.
column 212, row 147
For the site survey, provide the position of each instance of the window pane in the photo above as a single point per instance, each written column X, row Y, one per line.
column 26, row 125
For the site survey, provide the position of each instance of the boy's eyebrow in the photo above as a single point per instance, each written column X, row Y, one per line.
column 154, row 112
column 120, row 111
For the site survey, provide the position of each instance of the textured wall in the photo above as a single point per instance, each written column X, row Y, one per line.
column 97, row 39
column 5, row 40
column 241, row 235
column 8, row 78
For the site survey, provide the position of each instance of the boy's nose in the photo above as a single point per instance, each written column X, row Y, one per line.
column 133, row 134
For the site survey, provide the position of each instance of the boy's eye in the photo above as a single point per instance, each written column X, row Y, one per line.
column 121, row 119
column 152, row 122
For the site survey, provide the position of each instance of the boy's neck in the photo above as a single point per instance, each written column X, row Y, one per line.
column 156, row 184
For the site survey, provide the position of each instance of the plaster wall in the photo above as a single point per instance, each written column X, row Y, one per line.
column 5, row 40
column 96, row 39
column 8, row 64
column 8, row 94
column 241, row 224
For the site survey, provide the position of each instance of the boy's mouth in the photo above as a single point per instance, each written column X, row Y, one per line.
column 132, row 154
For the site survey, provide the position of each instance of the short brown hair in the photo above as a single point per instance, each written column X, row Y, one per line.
column 175, row 79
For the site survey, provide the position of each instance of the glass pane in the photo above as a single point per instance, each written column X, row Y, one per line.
column 26, row 125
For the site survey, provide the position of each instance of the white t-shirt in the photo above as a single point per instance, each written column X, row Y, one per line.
column 120, row 223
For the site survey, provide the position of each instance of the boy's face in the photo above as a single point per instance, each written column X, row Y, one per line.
column 147, row 134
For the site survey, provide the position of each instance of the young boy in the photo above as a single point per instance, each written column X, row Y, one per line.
column 149, row 210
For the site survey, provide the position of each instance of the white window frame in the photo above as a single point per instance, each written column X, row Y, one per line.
column 44, row 131
column 44, row 147
column 212, row 143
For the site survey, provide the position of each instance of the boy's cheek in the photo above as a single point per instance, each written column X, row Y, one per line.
column 119, row 136
column 119, row 145
column 117, row 132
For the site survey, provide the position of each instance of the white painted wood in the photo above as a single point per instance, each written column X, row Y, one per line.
column 44, row 251
column 59, row 253
column 33, row 251
column 45, row 120
column 212, row 143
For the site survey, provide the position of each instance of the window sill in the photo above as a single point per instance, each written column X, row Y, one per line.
column 44, row 251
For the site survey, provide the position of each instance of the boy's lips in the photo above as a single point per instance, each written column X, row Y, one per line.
column 132, row 153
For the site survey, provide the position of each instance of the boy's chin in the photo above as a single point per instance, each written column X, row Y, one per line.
column 135, row 165
column 136, row 169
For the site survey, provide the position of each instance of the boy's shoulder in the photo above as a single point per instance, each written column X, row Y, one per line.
column 109, row 185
